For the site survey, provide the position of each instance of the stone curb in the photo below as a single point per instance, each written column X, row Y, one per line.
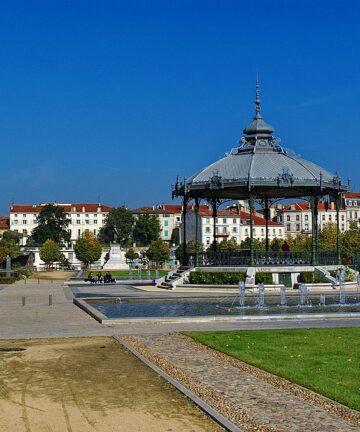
column 223, row 421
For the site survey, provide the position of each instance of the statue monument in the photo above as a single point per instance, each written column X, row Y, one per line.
column 116, row 259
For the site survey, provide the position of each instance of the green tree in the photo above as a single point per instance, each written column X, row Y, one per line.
column 175, row 236
column 257, row 244
column 50, row 253
column 131, row 255
column 299, row 243
column 87, row 248
column 52, row 225
column 350, row 243
column 191, row 248
column 158, row 252
column 147, row 229
column 327, row 237
column 8, row 248
column 12, row 235
column 227, row 244
column 119, row 225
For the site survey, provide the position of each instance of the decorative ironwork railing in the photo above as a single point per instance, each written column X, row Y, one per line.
column 327, row 257
column 242, row 257
column 356, row 262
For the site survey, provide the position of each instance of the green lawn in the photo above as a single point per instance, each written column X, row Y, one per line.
column 324, row 360
column 125, row 273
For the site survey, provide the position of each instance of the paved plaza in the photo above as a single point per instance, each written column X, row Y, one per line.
column 251, row 401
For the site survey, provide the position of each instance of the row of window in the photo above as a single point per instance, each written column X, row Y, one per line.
column 78, row 222
column 87, row 215
column 234, row 230
column 306, row 227
column 25, row 232
column 223, row 220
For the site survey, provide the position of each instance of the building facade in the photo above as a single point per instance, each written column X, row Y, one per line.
column 297, row 219
column 351, row 204
column 82, row 217
column 231, row 224
column 4, row 225
column 169, row 217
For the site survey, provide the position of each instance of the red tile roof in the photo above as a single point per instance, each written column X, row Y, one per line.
column 352, row 195
column 68, row 208
column 4, row 223
column 305, row 206
column 245, row 216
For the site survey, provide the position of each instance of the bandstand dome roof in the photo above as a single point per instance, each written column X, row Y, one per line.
column 262, row 167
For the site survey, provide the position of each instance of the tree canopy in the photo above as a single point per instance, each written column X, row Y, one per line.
column 119, row 225
column 12, row 235
column 131, row 254
column 50, row 253
column 158, row 252
column 190, row 247
column 147, row 229
column 227, row 244
column 87, row 248
column 52, row 225
column 8, row 248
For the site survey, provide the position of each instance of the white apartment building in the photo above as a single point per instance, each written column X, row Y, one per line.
column 169, row 216
column 82, row 217
column 297, row 218
column 230, row 224
column 351, row 203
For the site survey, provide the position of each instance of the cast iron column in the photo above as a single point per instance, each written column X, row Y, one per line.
column 313, row 246
column 266, row 214
column 214, row 215
column 251, row 207
column 314, row 229
column 184, row 210
column 338, row 203
column 196, row 208
column 316, row 202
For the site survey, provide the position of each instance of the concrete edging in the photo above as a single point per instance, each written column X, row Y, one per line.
column 219, row 418
column 103, row 319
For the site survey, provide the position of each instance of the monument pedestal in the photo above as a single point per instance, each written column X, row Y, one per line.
column 116, row 259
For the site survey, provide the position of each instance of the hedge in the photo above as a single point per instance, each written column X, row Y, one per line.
column 265, row 278
column 216, row 278
column 7, row 280
column 311, row 277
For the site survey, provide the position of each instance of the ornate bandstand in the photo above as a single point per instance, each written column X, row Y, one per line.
column 260, row 170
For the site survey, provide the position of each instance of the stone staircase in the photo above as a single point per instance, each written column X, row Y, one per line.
column 168, row 282
column 326, row 275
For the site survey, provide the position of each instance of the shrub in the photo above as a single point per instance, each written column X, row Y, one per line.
column 216, row 278
column 349, row 275
column 7, row 280
column 24, row 272
column 312, row 277
column 265, row 278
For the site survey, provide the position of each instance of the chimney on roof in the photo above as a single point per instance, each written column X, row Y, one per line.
column 292, row 207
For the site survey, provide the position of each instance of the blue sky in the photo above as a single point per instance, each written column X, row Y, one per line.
column 111, row 100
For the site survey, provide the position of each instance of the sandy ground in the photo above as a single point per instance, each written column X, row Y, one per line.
column 55, row 275
column 88, row 384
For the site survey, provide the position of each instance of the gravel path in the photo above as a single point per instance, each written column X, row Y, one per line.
column 249, row 397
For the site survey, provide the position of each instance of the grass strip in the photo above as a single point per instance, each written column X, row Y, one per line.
column 323, row 360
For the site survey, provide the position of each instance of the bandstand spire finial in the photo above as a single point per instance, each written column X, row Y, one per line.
column 257, row 99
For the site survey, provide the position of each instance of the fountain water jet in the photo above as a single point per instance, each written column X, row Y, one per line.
column 322, row 300
column 261, row 296
column 304, row 295
column 283, row 301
